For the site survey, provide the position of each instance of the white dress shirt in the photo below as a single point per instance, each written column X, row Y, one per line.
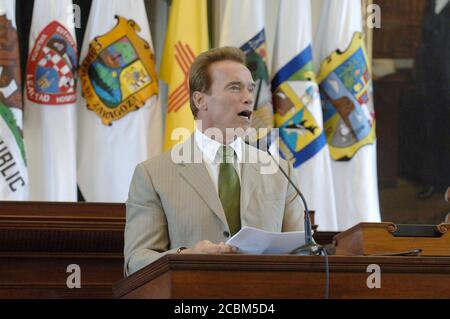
column 209, row 148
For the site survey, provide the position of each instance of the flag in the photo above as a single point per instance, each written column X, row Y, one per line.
column 119, row 117
column 348, row 113
column 13, row 163
column 50, row 102
column 298, row 112
column 187, row 36
column 243, row 27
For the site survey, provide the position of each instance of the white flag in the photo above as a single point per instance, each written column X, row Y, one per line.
column 13, row 164
column 50, row 102
column 243, row 27
column 298, row 112
column 349, row 117
column 119, row 123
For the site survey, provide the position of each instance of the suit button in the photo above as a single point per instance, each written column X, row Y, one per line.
column 226, row 234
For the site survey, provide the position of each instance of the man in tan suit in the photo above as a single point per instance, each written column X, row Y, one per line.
column 191, row 200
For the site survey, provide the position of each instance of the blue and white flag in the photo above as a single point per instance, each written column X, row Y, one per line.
column 298, row 113
column 243, row 26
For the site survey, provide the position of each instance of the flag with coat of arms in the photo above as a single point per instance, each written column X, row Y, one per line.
column 298, row 112
column 50, row 102
column 119, row 116
column 348, row 113
column 243, row 26
column 13, row 161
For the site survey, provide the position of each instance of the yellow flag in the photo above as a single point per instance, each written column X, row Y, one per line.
column 187, row 36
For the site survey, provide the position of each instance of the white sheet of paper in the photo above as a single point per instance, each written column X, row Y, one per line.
column 252, row 240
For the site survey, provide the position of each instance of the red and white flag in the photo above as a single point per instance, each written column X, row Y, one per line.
column 51, row 101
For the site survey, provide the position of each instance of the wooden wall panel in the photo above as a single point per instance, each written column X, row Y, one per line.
column 400, row 32
column 38, row 240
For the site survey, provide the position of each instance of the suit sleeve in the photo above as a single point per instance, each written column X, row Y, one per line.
column 293, row 219
column 146, row 233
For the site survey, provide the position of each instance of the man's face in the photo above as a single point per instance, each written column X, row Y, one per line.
column 229, row 102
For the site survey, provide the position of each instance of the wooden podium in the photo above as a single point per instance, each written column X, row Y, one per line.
column 286, row 276
column 391, row 239
column 39, row 240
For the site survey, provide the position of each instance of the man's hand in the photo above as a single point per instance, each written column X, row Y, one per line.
column 207, row 247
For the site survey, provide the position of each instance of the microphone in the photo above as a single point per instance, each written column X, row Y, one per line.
column 447, row 195
column 310, row 247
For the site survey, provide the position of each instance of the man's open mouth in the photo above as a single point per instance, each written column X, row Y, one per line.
column 245, row 114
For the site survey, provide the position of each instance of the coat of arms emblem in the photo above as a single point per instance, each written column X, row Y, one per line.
column 118, row 74
column 346, row 92
column 51, row 67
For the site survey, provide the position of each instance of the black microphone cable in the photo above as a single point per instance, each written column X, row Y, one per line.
column 327, row 272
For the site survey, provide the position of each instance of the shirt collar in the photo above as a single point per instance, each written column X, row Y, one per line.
column 209, row 147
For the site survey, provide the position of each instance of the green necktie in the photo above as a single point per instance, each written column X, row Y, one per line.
column 229, row 189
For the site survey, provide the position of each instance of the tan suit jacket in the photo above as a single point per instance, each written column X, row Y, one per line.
column 174, row 204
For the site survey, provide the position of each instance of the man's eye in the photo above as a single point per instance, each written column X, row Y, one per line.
column 235, row 87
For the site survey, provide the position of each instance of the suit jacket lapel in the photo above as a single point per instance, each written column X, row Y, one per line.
column 249, row 176
column 197, row 176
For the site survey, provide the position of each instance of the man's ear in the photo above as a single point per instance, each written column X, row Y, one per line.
column 199, row 100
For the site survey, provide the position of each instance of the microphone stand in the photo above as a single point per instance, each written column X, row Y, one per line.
column 310, row 248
